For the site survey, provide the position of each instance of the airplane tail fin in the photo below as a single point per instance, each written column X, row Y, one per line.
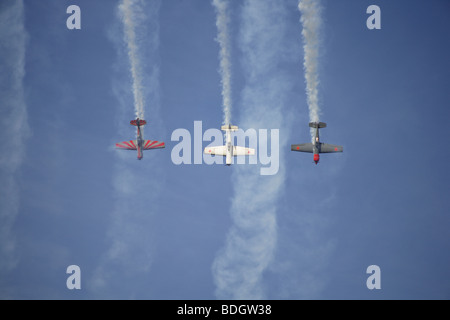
column 141, row 122
column 317, row 124
column 229, row 127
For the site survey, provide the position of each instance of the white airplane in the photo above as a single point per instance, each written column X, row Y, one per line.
column 229, row 150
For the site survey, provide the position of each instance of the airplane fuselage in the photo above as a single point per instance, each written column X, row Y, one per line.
column 139, row 141
column 229, row 155
column 316, row 147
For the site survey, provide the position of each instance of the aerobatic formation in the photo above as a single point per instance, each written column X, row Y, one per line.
column 311, row 22
column 229, row 150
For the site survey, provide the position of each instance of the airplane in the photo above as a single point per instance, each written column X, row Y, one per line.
column 140, row 144
column 229, row 150
column 317, row 147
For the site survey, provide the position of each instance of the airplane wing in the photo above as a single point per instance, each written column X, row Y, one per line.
column 241, row 151
column 127, row 145
column 304, row 147
column 218, row 151
column 327, row 148
column 152, row 144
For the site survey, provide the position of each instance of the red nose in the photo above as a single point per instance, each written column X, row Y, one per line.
column 316, row 158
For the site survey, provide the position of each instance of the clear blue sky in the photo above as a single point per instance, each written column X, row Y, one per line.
column 151, row 229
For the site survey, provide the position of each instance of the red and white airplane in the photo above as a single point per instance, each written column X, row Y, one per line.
column 140, row 144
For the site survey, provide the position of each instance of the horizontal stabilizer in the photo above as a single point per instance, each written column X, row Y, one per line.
column 317, row 124
column 141, row 122
column 127, row 145
column 229, row 128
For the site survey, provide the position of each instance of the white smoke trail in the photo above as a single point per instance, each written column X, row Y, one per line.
column 222, row 21
column 123, row 269
column 13, row 122
column 311, row 22
column 251, row 242
column 131, row 14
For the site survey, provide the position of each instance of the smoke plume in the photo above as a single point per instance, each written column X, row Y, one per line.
column 311, row 22
column 222, row 21
column 252, row 239
column 13, row 123
column 131, row 15
column 129, row 256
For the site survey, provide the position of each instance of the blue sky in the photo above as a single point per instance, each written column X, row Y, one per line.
column 151, row 229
